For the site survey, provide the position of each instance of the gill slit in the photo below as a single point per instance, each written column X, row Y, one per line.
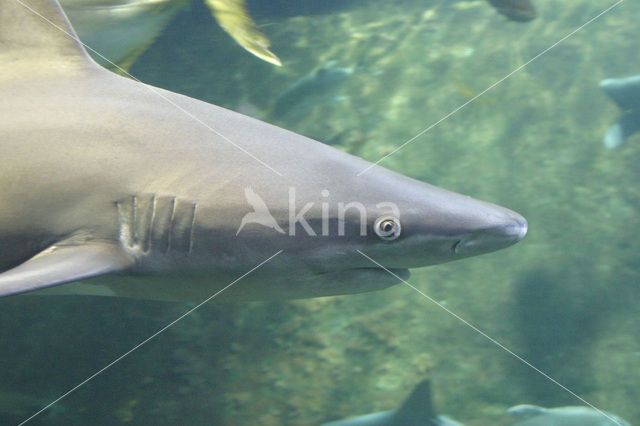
column 153, row 217
column 171, row 224
column 193, row 227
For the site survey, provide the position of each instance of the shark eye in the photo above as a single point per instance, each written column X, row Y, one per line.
column 387, row 228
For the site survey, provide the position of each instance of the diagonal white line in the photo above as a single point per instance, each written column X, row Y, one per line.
column 145, row 341
column 495, row 342
column 422, row 132
column 152, row 89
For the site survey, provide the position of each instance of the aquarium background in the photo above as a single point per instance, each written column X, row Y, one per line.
column 566, row 299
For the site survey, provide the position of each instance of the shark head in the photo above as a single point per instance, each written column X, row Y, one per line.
column 346, row 227
column 119, row 188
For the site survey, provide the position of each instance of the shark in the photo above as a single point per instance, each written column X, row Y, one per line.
column 112, row 187
column 533, row 415
column 417, row 409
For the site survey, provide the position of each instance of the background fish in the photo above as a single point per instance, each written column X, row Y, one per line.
column 532, row 415
column 515, row 10
column 624, row 92
column 121, row 30
column 318, row 87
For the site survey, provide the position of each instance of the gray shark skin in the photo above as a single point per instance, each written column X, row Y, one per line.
column 625, row 92
column 116, row 188
column 532, row 415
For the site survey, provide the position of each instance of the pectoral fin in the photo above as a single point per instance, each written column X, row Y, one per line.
column 61, row 264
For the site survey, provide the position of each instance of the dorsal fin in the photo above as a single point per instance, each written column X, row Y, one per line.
column 417, row 409
column 37, row 38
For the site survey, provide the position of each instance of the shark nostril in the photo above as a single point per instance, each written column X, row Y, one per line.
column 473, row 243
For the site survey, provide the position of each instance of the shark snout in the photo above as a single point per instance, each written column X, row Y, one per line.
column 511, row 229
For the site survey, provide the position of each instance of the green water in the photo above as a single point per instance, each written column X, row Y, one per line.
column 566, row 299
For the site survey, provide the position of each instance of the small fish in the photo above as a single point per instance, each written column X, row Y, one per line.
column 318, row 87
column 515, row 10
